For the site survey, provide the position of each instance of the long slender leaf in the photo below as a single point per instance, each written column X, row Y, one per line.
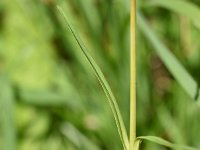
column 174, row 66
column 165, row 143
column 181, row 7
column 7, row 114
column 104, row 84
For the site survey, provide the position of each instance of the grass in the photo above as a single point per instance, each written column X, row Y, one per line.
column 48, row 78
column 173, row 65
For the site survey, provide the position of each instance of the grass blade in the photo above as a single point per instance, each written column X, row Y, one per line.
column 104, row 84
column 7, row 114
column 174, row 66
column 165, row 143
column 181, row 7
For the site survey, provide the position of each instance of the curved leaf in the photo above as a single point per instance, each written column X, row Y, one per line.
column 104, row 84
column 165, row 143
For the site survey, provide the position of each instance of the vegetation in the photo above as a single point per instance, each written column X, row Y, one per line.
column 50, row 98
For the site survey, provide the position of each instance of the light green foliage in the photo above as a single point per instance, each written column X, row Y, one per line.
column 50, row 99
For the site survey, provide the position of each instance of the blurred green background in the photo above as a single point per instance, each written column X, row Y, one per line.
column 49, row 97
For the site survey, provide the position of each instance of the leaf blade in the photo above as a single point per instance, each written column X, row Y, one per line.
column 7, row 106
column 165, row 143
column 106, row 88
column 173, row 65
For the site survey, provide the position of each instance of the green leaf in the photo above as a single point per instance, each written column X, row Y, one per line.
column 165, row 143
column 110, row 96
column 7, row 114
column 174, row 66
column 181, row 7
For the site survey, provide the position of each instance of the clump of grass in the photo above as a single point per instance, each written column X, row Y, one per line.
column 113, row 18
column 165, row 55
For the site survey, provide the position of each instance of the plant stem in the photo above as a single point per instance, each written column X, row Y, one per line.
column 132, row 74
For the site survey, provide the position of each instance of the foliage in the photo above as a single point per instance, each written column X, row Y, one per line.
column 49, row 98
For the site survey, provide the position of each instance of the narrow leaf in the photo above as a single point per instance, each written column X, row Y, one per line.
column 174, row 66
column 7, row 114
column 165, row 143
column 104, row 84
